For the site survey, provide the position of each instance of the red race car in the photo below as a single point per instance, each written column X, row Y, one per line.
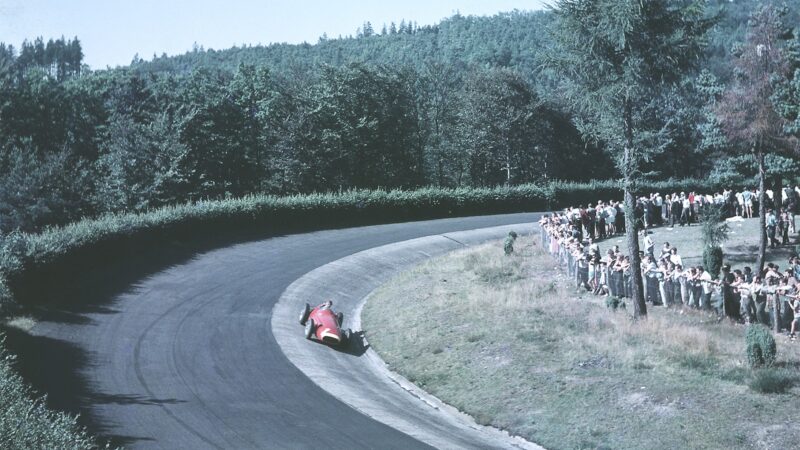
column 321, row 323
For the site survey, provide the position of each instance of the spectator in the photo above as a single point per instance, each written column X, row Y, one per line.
column 706, row 285
column 772, row 225
column 747, row 196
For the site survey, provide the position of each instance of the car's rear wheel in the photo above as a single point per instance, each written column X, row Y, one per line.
column 310, row 328
column 346, row 335
column 304, row 314
column 340, row 318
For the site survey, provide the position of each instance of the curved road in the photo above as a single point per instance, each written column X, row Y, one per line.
column 186, row 358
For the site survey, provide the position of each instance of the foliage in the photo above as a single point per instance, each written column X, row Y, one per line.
column 714, row 231
column 508, row 243
column 761, row 348
column 714, row 228
column 712, row 260
column 25, row 421
column 467, row 102
column 620, row 60
column 746, row 110
column 614, row 303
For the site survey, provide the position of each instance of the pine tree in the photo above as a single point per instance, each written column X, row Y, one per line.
column 616, row 57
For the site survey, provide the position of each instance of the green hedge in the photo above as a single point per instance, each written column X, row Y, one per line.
column 25, row 259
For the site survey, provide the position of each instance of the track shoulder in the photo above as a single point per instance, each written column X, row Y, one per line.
column 359, row 377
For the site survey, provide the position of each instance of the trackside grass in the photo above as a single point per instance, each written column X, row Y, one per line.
column 25, row 421
column 509, row 341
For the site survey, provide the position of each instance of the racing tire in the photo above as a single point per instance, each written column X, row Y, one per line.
column 346, row 335
column 304, row 314
column 309, row 331
column 340, row 318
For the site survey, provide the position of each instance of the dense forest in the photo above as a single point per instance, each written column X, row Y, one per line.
column 466, row 102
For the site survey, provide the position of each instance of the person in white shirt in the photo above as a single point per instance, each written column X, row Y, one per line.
column 707, row 284
column 740, row 204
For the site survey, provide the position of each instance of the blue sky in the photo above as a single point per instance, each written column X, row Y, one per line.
column 113, row 31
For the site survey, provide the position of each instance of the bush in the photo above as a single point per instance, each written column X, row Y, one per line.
column 772, row 380
column 761, row 348
column 614, row 303
column 712, row 260
column 508, row 245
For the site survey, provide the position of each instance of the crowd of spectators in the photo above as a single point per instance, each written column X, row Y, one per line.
column 571, row 236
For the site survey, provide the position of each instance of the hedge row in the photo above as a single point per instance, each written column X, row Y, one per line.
column 25, row 259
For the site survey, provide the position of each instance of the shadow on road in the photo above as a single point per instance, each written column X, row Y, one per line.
column 357, row 345
column 56, row 367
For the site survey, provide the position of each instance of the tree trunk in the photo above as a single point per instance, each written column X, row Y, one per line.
column 762, row 213
column 777, row 194
column 637, row 288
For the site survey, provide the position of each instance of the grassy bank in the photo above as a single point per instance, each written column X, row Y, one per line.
column 505, row 340
column 25, row 421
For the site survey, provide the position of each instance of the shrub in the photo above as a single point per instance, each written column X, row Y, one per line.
column 761, row 348
column 773, row 381
column 712, row 260
column 508, row 245
column 614, row 303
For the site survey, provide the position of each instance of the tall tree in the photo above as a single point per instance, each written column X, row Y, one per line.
column 617, row 58
column 746, row 111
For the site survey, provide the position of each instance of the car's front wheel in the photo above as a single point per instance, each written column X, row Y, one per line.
column 310, row 328
column 304, row 314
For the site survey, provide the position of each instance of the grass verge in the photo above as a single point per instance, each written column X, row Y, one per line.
column 25, row 421
column 503, row 339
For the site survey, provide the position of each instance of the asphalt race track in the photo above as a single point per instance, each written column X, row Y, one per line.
column 186, row 357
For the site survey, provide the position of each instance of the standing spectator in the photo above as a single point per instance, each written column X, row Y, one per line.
column 772, row 225
column 675, row 210
column 794, row 304
column 666, row 250
column 611, row 219
column 706, row 287
column 664, row 282
column 739, row 204
column 686, row 210
column 730, row 302
column 650, row 272
column 677, row 285
column 759, row 292
column 747, row 304
column 674, row 257
column 748, row 274
column 602, row 215
column 784, row 225
column 747, row 196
